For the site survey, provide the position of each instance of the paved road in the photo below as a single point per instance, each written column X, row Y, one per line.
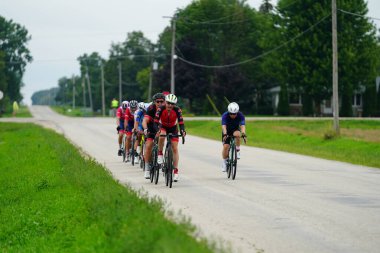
column 279, row 202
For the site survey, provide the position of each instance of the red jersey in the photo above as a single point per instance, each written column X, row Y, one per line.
column 169, row 118
column 128, row 115
column 120, row 114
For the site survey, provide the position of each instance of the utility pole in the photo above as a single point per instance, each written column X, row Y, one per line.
column 172, row 75
column 335, row 68
column 73, row 81
column 84, row 92
column 150, row 76
column 120, row 85
column 103, row 99
column 89, row 89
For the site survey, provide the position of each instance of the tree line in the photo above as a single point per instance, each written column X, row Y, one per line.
column 228, row 50
column 14, row 56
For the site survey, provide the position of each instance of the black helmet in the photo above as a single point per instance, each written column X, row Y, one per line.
column 157, row 96
column 133, row 104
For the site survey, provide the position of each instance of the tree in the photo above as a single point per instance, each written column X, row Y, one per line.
column 308, row 58
column 283, row 103
column 134, row 55
column 217, row 32
column 15, row 55
column 266, row 7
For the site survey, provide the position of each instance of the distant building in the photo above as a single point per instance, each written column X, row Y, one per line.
column 295, row 101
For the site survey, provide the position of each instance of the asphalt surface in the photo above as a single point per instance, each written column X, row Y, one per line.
column 279, row 202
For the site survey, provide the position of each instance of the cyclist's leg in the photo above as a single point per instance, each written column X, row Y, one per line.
column 161, row 142
column 128, row 141
column 237, row 142
column 237, row 137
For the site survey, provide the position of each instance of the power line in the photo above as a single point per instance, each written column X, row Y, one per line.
column 358, row 15
column 259, row 56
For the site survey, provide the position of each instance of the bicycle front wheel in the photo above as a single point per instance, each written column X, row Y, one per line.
column 170, row 167
column 234, row 164
column 123, row 148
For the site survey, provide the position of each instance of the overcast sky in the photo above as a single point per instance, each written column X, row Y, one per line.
column 62, row 30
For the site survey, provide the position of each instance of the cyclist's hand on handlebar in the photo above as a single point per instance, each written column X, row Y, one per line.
column 224, row 137
column 183, row 132
column 146, row 131
column 244, row 137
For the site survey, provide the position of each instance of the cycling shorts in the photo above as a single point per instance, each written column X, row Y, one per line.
column 170, row 130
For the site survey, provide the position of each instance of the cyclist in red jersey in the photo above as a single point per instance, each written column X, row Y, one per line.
column 170, row 116
column 149, row 130
column 129, row 124
column 120, row 116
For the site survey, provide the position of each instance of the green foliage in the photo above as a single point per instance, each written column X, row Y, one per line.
column 45, row 97
column 14, row 55
column 283, row 103
column 53, row 200
column 293, row 43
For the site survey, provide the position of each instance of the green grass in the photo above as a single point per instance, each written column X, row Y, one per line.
column 54, row 200
column 359, row 142
column 23, row 112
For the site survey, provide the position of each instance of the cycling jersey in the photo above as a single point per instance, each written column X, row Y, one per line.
column 139, row 116
column 149, row 115
column 129, row 117
column 169, row 119
column 233, row 124
column 120, row 113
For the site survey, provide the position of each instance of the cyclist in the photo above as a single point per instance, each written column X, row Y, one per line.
column 129, row 124
column 170, row 116
column 138, row 128
column 114, row 106
column 120, row 116
column 233, row 123
column 149, row 130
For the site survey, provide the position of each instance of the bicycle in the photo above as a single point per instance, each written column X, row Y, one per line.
column 133, row 152
column 123, row 146
column 141, row 155
column 168, row 158
column 232, row 157
column 154, row 166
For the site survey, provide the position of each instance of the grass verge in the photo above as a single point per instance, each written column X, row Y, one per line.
column 54, row 200
column 359, row 142
column 23, row 112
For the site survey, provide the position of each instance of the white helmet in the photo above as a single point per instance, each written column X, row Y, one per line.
column 142, row 106
column 171, row 98
column 233, row 107
column 125, row 104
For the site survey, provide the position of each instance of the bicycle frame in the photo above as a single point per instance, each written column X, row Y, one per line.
column 169, row 161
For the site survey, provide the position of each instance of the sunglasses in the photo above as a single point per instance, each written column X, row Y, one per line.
column 233, row 113
column 168, row 103
column 159, row 101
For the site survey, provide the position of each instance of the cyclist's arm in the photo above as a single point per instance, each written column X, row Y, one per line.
column 224, row 129
column 145, row 122
column 242, row 129
column 242, row 124
column 180, row 119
